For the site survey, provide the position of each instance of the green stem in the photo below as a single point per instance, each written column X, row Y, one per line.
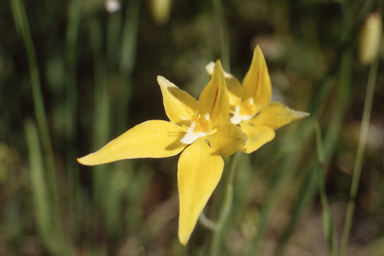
column 218, row 9
column 227, row 204
column 207, row 223
column 359, row 156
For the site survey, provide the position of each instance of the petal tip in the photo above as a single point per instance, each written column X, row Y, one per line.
column 161, row 79
column 300, row 114
column 82, row 160
column 183, row 238
column 258, row 50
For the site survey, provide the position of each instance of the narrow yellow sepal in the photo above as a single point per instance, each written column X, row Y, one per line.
column 179, row 105
column 275, row 115
column 149, row 139
column 198, row 175
column 257, row 136
column 227, row 140
column 214, row 98
column 257, row 83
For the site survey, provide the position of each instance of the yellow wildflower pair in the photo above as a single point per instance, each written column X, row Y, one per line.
column 206, row 130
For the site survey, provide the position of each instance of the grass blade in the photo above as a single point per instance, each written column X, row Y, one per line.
column 329, row 230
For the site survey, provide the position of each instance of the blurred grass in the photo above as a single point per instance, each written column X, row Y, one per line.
column 74, row 76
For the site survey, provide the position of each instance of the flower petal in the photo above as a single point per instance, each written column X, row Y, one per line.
column 257, row 136
column 257, row 83
column 276, row 115
column 198, row 174
column 227, row 140
column 235, row 90
column 214, row 98
column 149, row 139
column 179, row 105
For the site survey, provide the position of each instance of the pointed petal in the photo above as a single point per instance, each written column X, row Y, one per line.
column 257, row 136
column 214, row 98
column 227, row 140
column 179, row 105
column 235, row 90
column 276, row 115
column 150, row 139
column 198, row 174
column 257, row 83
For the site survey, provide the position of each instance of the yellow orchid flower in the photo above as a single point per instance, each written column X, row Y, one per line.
column 201, row 127
column 250, row 105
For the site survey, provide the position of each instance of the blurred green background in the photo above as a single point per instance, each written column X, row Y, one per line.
column 74, row 76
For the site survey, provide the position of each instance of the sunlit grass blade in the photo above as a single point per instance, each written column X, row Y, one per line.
column 329, row 230
column 46, row 221
column 39, row 188
column 359, row 155
column 22, row 27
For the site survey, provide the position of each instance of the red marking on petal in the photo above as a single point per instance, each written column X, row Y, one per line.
column 215, row 100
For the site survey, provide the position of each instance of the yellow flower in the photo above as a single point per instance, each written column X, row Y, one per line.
column 201, row 127
column 250, row 105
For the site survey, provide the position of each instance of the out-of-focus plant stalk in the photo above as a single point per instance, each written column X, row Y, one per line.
column 101, row 131
column 126, row 63
column 74, row 18
column 129, row 37
column 224, row 40
column 359, row 155
column 226, row 205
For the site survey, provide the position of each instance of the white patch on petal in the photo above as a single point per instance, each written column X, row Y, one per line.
column 191, row 136
column 237, row 118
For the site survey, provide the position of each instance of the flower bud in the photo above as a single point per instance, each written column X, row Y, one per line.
column 370, row 38
column 161, row 10
column 112, row 6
